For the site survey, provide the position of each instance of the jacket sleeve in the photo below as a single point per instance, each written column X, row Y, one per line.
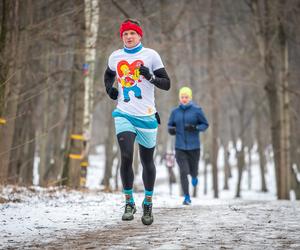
column 162, row 79
column 202, row 121
column 171, row 122
column 109, row 78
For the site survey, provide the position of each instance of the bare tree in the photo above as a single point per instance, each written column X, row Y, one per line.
column 10, row 84
column 260, row 149
column 75, row 149
column 271, row 40
column 214, row 96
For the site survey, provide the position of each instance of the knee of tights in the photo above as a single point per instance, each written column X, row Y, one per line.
column 126, row 156
column 148, row 164
column 183, row 174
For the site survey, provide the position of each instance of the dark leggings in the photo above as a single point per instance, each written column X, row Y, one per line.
column 187, row 161
column 126, row 143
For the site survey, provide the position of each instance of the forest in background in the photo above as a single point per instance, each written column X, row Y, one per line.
column 240, row 57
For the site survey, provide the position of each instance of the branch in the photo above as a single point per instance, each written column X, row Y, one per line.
column 120, row 9
column 178, row 18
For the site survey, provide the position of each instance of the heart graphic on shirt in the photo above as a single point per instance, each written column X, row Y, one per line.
column 129, row 72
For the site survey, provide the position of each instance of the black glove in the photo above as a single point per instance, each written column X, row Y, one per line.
column 190, row 127
column 144, row 71
column 113, row 93
column 172, row 130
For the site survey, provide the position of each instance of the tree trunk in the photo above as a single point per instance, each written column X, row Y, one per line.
column 260, row 149
column 206, row 162
column 249, row 168
column 91, row 23
column 3, row 43
column 226, row 167
column 22, row 157
column 286, row 134
column 274, row 55
column 170, row 98
column 240, row 165
column 25, row 170
column 10, row 52
column 76, row 150
column 44, row 152
column 214, row 97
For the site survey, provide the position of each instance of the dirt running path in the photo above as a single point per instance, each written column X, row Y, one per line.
column 246, row 225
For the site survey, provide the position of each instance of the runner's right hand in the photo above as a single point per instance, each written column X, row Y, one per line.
column 113, row 93
column 172, row 130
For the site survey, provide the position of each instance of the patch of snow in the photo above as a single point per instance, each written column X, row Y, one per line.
column 297, row 173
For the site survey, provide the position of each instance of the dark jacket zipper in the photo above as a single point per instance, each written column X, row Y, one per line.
column 185, row 144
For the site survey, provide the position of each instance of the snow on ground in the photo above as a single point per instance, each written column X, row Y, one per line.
column 41, row 213
column 57, row 218
column 75, row 220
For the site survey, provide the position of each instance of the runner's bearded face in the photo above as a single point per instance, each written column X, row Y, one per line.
column 131, row 38
column 184, row 99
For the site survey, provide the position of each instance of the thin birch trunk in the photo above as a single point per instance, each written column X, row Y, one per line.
column 91, row 23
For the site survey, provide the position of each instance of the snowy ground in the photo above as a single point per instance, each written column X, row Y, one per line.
column 57, row 218
column 74, row 220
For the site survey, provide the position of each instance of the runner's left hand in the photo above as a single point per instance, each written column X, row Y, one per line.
column 190, row 127
column 144, row 71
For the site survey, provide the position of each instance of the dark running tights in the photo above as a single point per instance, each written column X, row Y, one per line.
column 126, row 143
column 187, row 161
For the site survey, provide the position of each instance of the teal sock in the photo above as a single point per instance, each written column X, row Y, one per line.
column 148, row 197
column 128, row 196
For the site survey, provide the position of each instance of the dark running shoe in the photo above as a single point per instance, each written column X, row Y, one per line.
column 130, row 210
column 147, row 217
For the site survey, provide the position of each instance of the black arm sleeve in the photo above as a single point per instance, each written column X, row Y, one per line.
column 162, row 79
column 109, row 78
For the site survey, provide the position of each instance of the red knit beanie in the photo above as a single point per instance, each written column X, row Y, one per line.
column 130, row 26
